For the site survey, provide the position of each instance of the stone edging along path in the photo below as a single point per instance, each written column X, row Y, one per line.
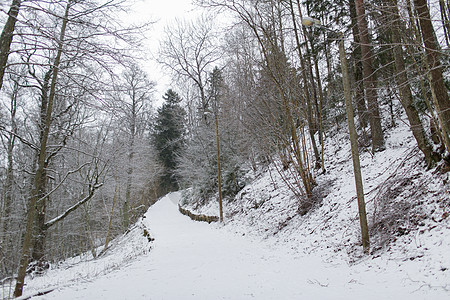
column 195, row 217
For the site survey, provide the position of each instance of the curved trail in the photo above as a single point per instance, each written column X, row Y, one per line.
column 192, row 260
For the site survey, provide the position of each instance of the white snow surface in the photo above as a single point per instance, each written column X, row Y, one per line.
column 267, row 250
column 193, row 260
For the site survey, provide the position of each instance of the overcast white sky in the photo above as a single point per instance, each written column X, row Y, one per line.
column 164, row 12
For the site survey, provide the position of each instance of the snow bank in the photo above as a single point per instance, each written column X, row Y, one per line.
column 122, row 251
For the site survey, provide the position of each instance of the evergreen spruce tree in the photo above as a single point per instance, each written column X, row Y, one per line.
column 168, row 138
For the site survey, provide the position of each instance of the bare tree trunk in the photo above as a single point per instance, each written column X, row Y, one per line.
column 440, row 93
column 354, row 149
column 89, row 231
column 126, row 204
column 313, row 124
column 34, row 197
column 219, row 175
column 306, row 82
column 108, row 234
column 40, row 230
column 406, row 97
column 357, row 70
column 422, row 68
column 7, row 36
column 369, row 81
column 9, row 184
column 445, row 22
column 41, row 206
column 320, row 108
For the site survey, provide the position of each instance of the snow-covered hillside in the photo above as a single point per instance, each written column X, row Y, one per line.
column 267, row 249
column 408, row 209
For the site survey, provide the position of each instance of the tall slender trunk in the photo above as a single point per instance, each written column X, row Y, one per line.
column 406, row 97
column 34, row 196
column 354, row 149
column 433, row 56
column 40, row 229
column 445, row 22
column 369, row 81
column 219, row 175
column 306, row 82
column 9, row 183
column 320, row 107
column 422, row 67
column 126, row 204
column 357, row 70
column 7, row 36
column 41, row 206
column 108, row 233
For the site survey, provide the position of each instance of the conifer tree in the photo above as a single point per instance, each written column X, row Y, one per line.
column 168, row 138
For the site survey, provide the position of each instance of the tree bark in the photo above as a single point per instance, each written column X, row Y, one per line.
column 433, row 56
column 41, row 206
column 34, row 197
column 9, row 183
column 306, row 82
column 406, row 97
column 354, row 149
column 7, row 36
column 369, row 81
column 126, row 204
column 357, row 70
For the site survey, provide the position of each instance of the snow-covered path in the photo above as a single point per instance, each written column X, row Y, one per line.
column 193, row 260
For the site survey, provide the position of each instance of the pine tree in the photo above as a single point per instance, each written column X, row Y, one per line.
column 168, row 138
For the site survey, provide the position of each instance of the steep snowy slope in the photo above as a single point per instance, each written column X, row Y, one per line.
column 408, row 209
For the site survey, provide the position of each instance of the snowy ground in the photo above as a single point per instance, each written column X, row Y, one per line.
column 267, row 250
column 407, row 206
column 192, row 260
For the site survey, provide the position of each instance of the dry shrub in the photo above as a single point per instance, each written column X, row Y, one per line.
column 397, row 208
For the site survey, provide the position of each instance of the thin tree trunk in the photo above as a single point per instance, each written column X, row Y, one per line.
column 406, row 97
column 31, row 211
column 126, row 205
column 89, row 231
column 7, row 37
column 313, row 126
column 422, row 68
column 219, row 175
column 369, row 81
column 306, row 82
column 357, row 70
column 108, row 234
column 320, row 108
column 40, row 229
column 354, row 149
column 445, row 22
column 9, row 184
column 440, row 93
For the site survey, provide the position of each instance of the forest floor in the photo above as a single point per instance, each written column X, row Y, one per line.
column 269, row 248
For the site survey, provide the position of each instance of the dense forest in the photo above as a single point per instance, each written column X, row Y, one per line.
column 85, row 150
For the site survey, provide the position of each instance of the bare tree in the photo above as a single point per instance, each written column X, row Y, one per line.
column 36, row 193
column 406, row 96
column 189, row 50
column 69, row 74
column 369, row 80
column 133, row 100
column 433, row 58
column 7, row 36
